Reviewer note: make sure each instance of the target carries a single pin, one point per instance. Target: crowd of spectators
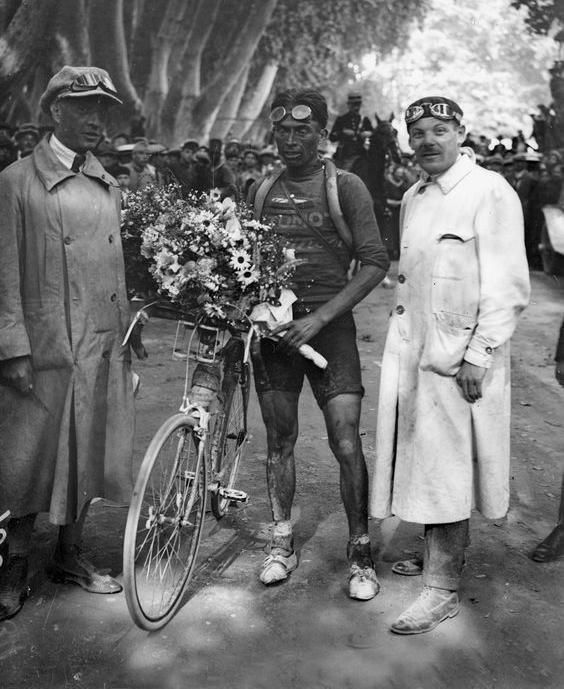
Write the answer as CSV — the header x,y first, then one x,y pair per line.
x,y
232,166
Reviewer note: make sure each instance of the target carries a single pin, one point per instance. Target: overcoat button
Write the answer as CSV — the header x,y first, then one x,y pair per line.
x,y
400,309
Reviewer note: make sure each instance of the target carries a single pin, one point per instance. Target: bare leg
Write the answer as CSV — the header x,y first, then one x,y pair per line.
x,y
280,416
342,417
553,545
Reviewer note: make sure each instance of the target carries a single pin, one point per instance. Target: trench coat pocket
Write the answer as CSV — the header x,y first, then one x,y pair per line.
x,y
49,342
447,339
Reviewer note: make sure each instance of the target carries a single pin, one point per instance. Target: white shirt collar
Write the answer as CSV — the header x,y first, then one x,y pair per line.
x,y
448,179
63,153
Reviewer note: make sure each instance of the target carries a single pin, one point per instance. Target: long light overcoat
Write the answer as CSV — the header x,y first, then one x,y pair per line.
x,y
63,301
463,281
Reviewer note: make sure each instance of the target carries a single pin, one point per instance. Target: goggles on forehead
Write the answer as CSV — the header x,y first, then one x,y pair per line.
x,y
442,111
90,81
298,112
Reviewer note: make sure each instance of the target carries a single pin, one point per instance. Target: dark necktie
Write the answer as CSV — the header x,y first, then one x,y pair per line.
x,y
78,162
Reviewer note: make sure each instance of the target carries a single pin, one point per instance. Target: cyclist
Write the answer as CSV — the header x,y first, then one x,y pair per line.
x,y
297,200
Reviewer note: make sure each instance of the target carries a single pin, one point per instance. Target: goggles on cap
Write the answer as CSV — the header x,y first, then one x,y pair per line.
x,y
442,111
90,81
298,112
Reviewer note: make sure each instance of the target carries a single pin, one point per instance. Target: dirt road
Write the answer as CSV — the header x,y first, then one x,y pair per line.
x,y
306,634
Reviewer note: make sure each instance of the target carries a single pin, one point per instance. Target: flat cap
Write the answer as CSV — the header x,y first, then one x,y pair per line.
x,y
78,82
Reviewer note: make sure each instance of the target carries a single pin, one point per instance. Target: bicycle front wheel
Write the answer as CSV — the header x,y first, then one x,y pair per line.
x,y
229,438
164,523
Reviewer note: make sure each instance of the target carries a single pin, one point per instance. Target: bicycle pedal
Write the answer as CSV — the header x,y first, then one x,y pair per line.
x,y
233,495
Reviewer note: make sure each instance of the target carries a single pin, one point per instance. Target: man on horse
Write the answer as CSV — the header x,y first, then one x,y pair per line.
x,y
349,132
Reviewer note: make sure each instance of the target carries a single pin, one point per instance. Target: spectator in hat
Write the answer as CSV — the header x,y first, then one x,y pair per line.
x,y
494,163
123,178
141,172
349,132
8,151
267,157
159,161
27,137
223,178
442,437
183,169
120,139
250,170
66,392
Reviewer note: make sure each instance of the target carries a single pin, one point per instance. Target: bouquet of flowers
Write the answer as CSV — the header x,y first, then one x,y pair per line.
x,y
200,251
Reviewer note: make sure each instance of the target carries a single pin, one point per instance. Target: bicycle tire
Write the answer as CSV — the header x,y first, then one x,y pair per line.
x,y
164,523
230,432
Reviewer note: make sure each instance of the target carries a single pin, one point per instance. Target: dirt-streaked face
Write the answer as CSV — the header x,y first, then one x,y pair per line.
x,y
298,141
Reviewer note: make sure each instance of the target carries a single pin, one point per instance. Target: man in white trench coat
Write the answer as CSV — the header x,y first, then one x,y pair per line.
x,y
442,443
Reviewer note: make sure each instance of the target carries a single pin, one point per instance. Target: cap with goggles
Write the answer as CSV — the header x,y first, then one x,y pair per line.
x,y
77,82
436,106
298,112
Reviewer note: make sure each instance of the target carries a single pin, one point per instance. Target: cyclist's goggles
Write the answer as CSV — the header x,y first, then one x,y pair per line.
x,y
90,81
298,112
442,111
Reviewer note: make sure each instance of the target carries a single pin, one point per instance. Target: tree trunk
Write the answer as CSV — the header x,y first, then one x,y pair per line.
x,y
71,33
254,99
185,82
555,128
23,42
146,16
157,84
107,40
200,111
226,119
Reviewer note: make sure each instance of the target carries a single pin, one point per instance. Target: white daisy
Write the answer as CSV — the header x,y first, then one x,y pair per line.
x,y
248,276
240,260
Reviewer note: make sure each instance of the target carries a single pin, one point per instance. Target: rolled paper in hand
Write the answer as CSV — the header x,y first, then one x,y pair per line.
x,y
309,353
269,316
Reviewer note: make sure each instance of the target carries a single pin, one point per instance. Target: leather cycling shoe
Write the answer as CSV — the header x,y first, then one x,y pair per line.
x,y
363,582
277,567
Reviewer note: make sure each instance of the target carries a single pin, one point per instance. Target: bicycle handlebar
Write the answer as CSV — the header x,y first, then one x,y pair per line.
x,y
164,309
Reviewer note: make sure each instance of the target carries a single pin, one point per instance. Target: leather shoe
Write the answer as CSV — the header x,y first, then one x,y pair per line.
x,y
552,547
13,587
78,570
432,607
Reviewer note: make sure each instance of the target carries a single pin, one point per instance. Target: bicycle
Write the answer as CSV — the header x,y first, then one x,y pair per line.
x,y
195,453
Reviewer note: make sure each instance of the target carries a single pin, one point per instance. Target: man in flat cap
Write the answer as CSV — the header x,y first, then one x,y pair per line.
x,y
442,442
349,132
66,393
